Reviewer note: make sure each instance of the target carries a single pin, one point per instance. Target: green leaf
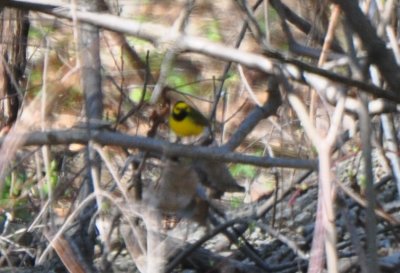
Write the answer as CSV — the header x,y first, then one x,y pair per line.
x,y
180,81
136,95
236,202
213,32
242,170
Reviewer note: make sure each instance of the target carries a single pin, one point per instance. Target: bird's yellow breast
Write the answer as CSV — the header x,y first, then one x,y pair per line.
x,y
185,127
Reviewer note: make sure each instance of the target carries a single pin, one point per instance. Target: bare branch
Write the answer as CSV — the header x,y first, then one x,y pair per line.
x,y
157,146
162,36
377,52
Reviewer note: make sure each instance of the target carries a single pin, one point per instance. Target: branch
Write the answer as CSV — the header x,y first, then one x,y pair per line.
x,y
302,24
259,113
157,146
378,54
161,36
371,224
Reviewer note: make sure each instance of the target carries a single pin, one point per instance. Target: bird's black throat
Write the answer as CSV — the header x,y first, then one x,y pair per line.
x,y
179,116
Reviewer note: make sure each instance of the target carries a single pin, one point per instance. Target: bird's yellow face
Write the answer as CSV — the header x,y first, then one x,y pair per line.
x,y
186,121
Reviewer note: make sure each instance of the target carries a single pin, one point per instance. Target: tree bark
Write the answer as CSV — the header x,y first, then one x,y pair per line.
x,y
14,27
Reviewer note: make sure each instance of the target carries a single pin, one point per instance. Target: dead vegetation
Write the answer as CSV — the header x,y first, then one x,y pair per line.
x,y
300,174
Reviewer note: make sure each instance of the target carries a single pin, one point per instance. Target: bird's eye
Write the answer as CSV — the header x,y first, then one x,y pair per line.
x,y
178,110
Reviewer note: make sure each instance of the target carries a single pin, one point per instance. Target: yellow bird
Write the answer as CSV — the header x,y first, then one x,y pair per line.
x,y
186,121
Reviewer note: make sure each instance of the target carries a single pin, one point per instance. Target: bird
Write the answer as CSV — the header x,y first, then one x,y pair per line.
x,y
216,176
185,121
175,195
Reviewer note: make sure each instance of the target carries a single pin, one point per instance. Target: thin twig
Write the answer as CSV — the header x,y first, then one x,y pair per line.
x,y
269,108
364,203
192,247
247,87
155,34
378,53
324,55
